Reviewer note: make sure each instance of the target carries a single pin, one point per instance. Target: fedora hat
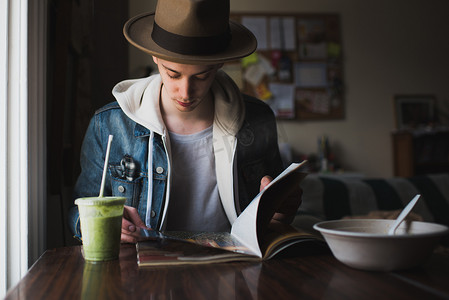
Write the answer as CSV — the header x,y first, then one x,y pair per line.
x,y
190,32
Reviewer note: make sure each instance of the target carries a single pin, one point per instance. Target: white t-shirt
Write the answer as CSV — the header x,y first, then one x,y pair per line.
x,y
195,204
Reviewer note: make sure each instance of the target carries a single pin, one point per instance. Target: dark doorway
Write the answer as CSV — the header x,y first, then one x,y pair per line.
x,y
87,56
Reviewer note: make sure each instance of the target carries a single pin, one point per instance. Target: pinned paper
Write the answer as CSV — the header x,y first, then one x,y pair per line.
x,y
282,33
311,30
314,101
262,91
285,65
266,65
311,74
313,50
258,26
333,50
284,99
249,60
275,57
254,74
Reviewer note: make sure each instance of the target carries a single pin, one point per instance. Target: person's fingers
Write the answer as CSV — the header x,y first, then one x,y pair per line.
x,y
131,236
131,214
131,224
265,181
128,226
128,238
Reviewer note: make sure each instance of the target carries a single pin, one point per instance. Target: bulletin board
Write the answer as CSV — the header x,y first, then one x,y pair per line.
x,y
297,68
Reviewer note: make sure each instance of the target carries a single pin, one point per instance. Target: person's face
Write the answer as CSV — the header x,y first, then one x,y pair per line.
x,y
185,86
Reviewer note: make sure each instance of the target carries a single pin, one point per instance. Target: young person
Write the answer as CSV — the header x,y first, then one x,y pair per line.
x,y
190,151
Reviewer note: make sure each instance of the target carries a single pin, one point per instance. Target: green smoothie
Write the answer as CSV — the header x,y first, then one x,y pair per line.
x,y
101,222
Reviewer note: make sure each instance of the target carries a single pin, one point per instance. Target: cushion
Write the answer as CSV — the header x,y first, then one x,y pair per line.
x,y
330,197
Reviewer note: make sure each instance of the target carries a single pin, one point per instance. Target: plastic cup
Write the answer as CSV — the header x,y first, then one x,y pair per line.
x,y
101,223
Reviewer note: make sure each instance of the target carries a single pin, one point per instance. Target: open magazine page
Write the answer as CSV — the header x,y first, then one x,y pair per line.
x,y
244,228
222,240
243,243
168,251
252,222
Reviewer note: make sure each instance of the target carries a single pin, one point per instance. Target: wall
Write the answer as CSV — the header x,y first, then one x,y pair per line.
x,y
139,60
390,47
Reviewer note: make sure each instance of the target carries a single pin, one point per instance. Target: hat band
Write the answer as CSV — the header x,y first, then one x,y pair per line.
x,y
190,45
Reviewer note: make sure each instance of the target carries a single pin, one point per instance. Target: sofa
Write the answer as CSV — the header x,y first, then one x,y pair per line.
x,y
331,197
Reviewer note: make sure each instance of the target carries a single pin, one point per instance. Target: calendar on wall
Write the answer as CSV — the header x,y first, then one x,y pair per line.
x,y
297,67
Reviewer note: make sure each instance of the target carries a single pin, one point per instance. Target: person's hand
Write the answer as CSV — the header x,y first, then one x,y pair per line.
x,y
285,211
131,225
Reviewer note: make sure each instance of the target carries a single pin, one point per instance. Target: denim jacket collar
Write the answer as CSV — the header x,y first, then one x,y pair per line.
x,y
141,131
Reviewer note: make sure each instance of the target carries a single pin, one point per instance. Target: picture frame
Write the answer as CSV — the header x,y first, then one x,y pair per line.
x,y
414,111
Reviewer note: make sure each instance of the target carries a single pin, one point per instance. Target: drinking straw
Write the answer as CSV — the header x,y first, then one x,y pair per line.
x,y
105,168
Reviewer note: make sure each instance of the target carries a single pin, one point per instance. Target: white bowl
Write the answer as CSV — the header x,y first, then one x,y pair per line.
x,y
365,243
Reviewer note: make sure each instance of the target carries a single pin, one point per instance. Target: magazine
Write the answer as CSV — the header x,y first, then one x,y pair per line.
x,y
252,238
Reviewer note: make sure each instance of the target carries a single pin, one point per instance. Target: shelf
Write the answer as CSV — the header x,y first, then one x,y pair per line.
x,y
420,153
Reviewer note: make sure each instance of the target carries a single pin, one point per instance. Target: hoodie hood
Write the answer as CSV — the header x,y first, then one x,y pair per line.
x,y
229,106
139,100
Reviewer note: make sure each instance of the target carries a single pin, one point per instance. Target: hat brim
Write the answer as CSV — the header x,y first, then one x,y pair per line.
x,y
138,32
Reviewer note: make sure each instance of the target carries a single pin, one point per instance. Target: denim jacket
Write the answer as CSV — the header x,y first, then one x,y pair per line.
x,y
244,138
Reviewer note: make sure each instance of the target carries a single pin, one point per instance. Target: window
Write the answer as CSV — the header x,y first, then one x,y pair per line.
x,y
22,140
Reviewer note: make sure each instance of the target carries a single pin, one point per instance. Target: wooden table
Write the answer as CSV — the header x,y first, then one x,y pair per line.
x,y
62,273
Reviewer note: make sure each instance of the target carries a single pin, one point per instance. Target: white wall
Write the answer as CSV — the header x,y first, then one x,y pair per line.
x,y
389,47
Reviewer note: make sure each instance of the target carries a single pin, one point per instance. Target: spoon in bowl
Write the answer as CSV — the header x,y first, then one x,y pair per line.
x,y
404,213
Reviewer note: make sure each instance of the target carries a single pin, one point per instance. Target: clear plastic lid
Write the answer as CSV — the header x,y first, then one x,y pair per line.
x,y
100,201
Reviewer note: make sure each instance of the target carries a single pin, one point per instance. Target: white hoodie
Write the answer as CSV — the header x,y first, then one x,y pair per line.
x,y
139,100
